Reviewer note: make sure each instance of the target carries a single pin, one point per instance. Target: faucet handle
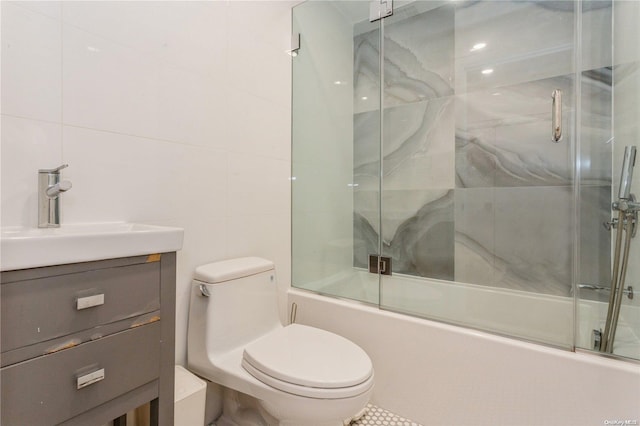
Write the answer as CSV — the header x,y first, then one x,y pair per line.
x,y
56,170
64,185
54,190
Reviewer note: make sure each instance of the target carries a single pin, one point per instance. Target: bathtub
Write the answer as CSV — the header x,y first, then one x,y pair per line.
x,y
439,373
537,317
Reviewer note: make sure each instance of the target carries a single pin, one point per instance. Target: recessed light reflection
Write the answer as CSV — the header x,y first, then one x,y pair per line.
x,y
292,178
487,71
364,98
478,46
339,83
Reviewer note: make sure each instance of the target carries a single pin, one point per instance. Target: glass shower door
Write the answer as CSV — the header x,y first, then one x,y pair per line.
x,y
478,200
476,147
609,322
336,101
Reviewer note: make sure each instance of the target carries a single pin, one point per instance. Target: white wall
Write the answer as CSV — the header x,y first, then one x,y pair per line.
x,y
170,113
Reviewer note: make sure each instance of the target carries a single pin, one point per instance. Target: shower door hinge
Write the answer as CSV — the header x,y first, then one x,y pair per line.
x,y
295,44
379,264
596,340
379,9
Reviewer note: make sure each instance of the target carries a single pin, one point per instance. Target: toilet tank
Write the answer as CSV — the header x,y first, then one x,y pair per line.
x,y
233,302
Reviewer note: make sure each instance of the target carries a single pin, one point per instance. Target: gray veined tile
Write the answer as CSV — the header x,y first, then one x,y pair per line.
x,y
474,263
533,238
421,241
423,245
503,137
365,240
512,104
483,164
400,206
516,238
366,72
418,148
403,86
419,51
418,59
511,223
366,205
474,212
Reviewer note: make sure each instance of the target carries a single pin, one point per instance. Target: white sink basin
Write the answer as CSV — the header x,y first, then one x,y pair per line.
x,y
22,248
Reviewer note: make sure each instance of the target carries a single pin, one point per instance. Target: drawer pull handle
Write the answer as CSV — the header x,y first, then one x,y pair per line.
x,y
89,301
91,378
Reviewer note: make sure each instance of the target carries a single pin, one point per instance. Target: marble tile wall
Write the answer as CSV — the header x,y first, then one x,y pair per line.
x,y
473,188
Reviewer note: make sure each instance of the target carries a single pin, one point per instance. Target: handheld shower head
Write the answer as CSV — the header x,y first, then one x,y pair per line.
x,y
627,172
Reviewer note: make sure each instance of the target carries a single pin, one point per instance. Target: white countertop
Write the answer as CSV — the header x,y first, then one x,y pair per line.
x,y
22,248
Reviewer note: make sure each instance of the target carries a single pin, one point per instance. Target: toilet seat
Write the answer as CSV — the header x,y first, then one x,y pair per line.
x,y
309,362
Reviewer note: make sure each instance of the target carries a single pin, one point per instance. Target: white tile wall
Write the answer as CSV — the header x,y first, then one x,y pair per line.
x,y
27,145
32,64
172,113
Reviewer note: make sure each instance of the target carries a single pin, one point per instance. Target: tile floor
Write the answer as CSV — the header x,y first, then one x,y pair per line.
x,y
376,416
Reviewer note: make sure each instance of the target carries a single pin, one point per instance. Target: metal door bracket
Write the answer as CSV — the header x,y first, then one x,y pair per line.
x,y
295,44
379,264
379,9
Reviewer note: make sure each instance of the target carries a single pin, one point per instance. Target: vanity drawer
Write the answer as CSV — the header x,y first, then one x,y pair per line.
x,y
45,390
41,309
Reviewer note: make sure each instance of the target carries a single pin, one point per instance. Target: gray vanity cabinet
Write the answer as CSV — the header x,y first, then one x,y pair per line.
x,y
85,343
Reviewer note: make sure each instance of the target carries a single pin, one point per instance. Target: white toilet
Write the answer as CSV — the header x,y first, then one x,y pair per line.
x,y
272,374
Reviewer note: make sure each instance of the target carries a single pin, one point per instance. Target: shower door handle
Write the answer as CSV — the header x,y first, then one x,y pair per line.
x,y
556,116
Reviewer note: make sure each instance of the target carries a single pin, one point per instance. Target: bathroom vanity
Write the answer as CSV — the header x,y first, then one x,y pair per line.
x,y
85,342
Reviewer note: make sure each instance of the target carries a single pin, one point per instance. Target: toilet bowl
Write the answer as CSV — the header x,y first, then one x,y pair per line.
x,y
273,374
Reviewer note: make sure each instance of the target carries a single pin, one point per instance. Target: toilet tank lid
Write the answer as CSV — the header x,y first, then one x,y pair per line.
x,y
232,269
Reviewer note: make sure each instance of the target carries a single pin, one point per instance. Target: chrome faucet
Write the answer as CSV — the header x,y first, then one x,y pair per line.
x,y
49,189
